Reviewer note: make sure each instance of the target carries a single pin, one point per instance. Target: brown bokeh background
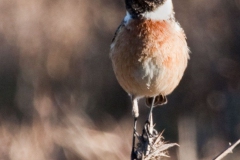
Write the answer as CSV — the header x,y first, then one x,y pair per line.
x,y
59,98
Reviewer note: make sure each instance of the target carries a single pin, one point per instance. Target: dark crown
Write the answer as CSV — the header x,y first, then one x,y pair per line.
x,y
137,7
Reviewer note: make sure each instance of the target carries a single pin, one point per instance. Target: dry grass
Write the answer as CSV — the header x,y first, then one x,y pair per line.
x,y
73,137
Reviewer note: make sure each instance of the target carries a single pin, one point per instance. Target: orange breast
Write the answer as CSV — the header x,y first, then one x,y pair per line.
x,y
149,57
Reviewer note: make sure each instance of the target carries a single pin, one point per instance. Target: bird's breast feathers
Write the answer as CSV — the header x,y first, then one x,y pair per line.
x,y
146,53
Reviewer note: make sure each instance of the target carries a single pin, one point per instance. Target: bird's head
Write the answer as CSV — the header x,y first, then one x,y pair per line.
x,y
141,8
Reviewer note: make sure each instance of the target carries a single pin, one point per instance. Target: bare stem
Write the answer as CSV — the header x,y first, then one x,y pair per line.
x,y
227,151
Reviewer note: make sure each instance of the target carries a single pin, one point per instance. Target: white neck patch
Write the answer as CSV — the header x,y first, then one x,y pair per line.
x,y
127,18
163,12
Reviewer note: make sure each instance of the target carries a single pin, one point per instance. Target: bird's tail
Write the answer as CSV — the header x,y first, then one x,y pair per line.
x,y
159,100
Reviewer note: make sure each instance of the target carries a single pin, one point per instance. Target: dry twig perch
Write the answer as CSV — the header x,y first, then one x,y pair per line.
x,y
151,145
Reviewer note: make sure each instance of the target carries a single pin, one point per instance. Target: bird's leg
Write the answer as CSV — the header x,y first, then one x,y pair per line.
x,y
135,113
150,117
151,109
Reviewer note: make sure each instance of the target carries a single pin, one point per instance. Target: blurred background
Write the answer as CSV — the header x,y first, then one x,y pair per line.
x,y
59,98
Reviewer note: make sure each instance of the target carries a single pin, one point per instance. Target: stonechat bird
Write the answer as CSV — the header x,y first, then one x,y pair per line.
x,y
149,52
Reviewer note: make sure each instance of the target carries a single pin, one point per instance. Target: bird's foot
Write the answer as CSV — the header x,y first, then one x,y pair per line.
x,y
159,100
